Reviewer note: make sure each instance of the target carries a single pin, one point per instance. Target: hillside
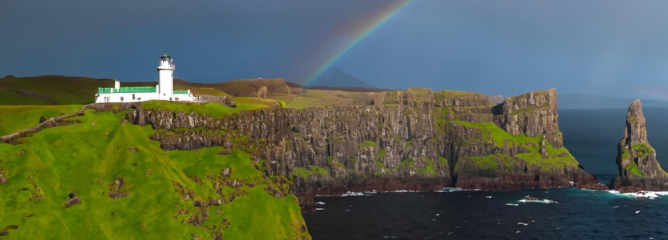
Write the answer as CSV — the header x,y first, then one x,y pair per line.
x,y
63,90
129,188
49,90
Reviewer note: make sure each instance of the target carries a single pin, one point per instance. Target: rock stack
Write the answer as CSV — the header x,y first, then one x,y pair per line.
x,y
636,159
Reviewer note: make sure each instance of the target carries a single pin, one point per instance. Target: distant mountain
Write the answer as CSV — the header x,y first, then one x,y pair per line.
x,y
337,78
583,101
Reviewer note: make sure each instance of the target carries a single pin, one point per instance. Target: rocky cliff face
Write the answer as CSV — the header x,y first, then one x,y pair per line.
x,y
636,159
415,139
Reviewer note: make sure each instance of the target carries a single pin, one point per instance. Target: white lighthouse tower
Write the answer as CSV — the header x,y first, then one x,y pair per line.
x,y
166,73
163,91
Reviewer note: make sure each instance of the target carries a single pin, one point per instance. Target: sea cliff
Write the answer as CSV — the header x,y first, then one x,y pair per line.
x,y
416,139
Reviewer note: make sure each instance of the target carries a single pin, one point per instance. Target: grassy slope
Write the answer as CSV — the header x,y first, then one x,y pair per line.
x,y
61,89
557,157
320,98
210,109
80,159
16,118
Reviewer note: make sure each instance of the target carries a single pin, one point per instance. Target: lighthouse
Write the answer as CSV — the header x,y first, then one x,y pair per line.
x,y
163,91
166,74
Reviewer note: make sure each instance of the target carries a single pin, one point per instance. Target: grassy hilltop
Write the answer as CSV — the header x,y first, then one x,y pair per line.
x,y
161,186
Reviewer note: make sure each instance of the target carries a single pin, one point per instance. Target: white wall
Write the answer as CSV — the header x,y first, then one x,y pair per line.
x,y
127,97
139,97
166,84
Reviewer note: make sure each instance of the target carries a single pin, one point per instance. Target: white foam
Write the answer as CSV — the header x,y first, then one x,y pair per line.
x,y
320,203
637,211
642,194
352,194
438,214
488,196
358,194
512,204
450,189
320,209
537,201
521,223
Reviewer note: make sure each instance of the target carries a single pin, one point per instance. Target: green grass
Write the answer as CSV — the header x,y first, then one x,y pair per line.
x,y
204,91
486,162
633,169
428,168
643,150
15,117
80,159
50,90
368,144
452,94
556,157
406,163
499,137
326,98
214,110
257,102
287,98
443,160
315,98
303,172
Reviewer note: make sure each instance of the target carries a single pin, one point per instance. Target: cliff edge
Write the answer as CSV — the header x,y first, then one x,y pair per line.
x,y
636,159
417,139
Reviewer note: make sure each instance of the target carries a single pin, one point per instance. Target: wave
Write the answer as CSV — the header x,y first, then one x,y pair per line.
x,y
537,201
643,194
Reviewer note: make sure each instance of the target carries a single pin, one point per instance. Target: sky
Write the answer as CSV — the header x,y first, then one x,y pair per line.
x,y
610,48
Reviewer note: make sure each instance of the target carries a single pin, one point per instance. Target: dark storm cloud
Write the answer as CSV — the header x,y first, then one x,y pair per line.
x,y
497,47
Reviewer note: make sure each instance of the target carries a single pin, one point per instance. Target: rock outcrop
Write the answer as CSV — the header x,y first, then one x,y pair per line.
x,y
636,159
415,139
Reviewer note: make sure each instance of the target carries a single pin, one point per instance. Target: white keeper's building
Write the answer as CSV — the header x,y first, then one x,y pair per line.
x,y
163,91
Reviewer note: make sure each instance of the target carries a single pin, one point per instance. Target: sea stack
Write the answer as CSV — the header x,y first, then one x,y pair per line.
x,y
636,159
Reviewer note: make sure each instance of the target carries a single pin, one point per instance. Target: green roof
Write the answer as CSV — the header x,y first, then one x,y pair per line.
x,y
127,90
180,91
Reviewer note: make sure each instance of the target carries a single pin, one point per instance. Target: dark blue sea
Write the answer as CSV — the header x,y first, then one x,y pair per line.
x,y
590,135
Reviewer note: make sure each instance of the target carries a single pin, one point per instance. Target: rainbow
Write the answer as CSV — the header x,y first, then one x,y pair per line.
x,y
362,31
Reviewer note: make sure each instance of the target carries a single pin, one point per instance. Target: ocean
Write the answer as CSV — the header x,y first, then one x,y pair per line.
x,y
590,135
